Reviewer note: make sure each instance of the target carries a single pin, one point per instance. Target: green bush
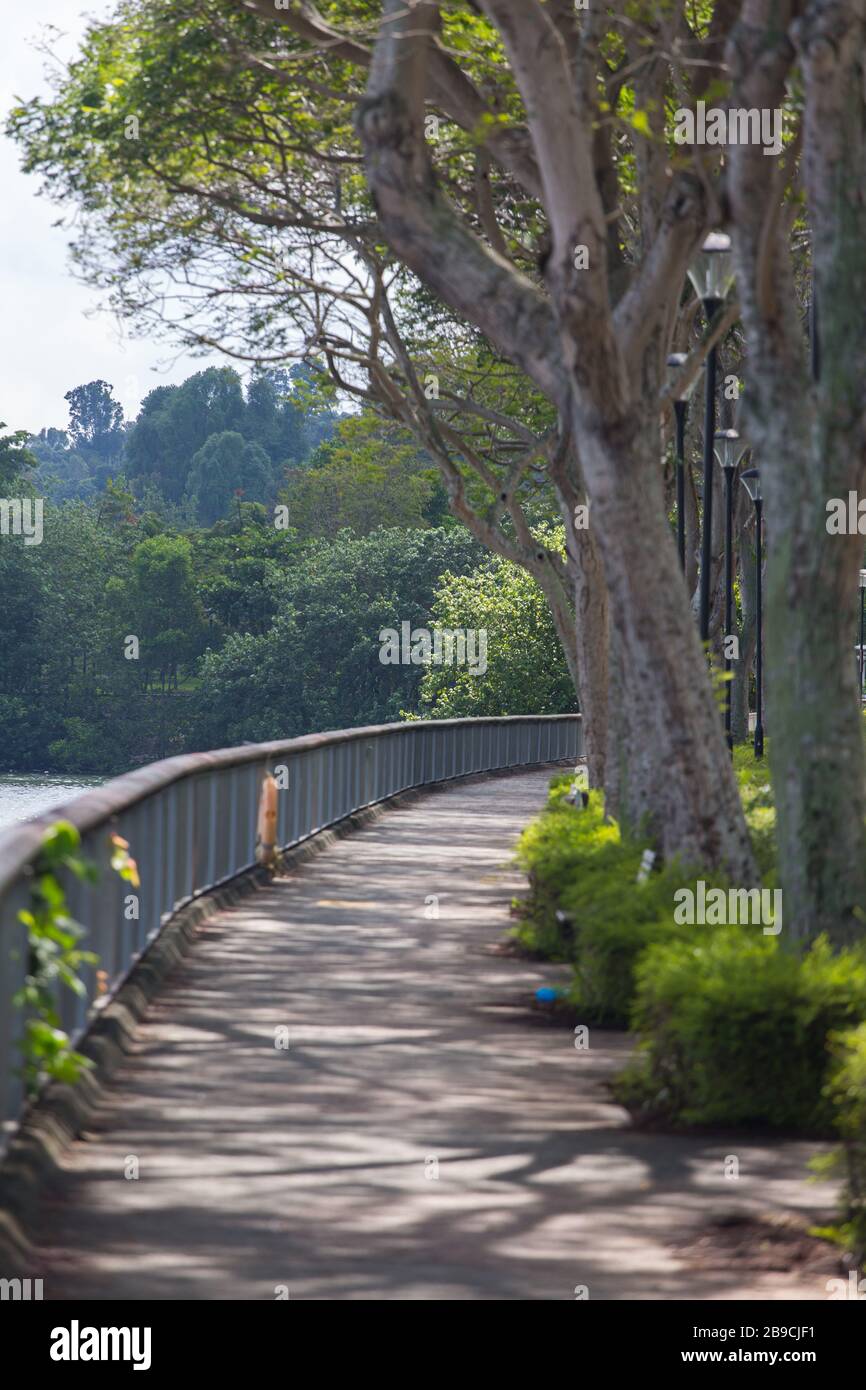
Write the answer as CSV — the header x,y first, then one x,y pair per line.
x,y
550,849
846,1091
756,794
734,1030
581,866
54,960
584,867
733,1027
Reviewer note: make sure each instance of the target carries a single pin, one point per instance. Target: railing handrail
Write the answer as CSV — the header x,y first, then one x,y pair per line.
x,y
192,823
20,844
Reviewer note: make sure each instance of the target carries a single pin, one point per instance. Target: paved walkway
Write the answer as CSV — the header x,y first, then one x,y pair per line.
x,y
410,1044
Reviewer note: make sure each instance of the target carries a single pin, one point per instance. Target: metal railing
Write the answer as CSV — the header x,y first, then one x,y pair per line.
x,y
191,825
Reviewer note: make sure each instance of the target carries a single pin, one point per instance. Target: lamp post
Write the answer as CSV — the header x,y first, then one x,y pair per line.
x,y
712,275
676,362
862,621
729,451
751,480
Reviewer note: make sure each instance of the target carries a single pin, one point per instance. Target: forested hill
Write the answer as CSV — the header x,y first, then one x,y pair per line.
x,y
193,445
220,569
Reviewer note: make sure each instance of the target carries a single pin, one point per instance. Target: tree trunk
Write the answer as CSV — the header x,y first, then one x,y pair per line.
x,y
679,782
591,620
616,757
816,735
807,430
676,780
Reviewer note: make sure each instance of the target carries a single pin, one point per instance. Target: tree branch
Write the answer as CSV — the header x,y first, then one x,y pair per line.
x,y
424,229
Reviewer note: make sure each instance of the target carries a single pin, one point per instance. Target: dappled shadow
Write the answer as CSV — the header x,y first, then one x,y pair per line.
x,y
315,1167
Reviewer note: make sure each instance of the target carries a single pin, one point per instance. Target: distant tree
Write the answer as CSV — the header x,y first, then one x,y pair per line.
x,y
56,626
271,419
525,669
262,410
63,473
317,665
368,475
15,456
22,583
312,394
289,411
240,571
56,440
174,423
157,603
95,418
224,467
147,453
116,503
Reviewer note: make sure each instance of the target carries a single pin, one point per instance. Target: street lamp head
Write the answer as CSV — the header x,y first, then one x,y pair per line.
x,y
676,362
863,579
729,448
711,271
751,480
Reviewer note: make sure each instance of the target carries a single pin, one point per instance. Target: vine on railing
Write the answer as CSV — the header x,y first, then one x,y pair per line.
x,y
122,862
54,956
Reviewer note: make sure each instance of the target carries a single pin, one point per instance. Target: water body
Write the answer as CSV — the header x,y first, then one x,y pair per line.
x,y
27,794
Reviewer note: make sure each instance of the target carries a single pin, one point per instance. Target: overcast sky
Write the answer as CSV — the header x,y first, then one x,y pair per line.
x,y
53,336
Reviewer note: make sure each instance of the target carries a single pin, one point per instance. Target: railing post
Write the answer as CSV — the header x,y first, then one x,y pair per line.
x,y
318,781
228,792
183,858
13,969
200,827
103,921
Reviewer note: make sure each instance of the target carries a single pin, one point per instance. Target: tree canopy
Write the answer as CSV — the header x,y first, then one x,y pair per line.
x,y
430,194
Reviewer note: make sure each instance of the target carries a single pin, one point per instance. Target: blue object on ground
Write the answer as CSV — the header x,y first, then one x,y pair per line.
x,y
546,995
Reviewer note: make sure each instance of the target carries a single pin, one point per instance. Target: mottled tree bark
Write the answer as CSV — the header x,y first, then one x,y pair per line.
x,y
590,617
809,441
672,769
677,777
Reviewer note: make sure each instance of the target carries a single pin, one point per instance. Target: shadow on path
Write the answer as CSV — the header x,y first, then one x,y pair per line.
x,y
313,1167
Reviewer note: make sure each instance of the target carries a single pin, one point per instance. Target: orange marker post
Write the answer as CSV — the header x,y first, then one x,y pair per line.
x,y
266,840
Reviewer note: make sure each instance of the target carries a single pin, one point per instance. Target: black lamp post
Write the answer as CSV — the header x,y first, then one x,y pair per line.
x,y
751,480
729,451
676,362
712,275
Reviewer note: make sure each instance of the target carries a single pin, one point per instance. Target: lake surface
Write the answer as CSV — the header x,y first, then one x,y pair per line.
x,y
25,795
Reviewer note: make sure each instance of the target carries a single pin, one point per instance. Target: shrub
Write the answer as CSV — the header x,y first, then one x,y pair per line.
x,y
756,794
846,1091
585,868
734,1030
551,850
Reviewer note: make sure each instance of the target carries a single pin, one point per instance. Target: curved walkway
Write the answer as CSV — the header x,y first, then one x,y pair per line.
x,y
312,1170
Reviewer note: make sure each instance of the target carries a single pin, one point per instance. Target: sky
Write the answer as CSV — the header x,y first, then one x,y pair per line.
x,y
53,336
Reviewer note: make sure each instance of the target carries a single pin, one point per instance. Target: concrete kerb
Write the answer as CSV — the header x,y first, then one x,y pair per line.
x,y
53,1120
